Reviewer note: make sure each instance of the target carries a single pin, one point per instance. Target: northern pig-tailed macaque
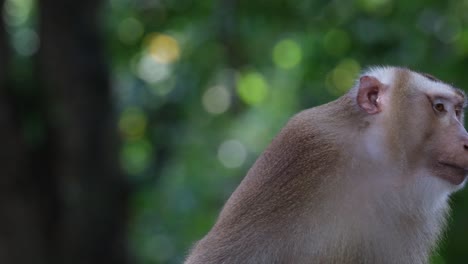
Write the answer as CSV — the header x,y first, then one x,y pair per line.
x,y
363,179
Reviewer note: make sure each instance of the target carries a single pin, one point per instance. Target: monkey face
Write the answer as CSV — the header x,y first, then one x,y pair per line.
x,y
431,127
422,121
449,142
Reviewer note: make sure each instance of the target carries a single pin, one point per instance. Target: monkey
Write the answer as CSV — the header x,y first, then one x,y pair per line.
x,y
362,179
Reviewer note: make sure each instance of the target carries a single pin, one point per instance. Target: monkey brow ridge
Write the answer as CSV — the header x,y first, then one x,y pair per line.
x,y
458,91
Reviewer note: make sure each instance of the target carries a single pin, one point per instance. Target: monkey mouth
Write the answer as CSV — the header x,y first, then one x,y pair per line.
x,y
452,173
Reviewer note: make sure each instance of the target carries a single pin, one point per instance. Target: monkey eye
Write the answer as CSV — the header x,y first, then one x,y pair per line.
x,y
457,111
439,107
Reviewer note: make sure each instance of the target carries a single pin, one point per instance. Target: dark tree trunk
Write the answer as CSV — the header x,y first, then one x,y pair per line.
x,y
64,199
93,193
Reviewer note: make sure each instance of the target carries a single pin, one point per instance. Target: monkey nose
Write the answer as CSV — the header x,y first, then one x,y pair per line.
x,y
465,142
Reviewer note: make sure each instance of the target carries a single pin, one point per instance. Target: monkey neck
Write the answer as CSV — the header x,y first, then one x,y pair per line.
x,y
380,219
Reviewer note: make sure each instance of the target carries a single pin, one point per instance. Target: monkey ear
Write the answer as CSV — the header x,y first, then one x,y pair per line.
x,y
369,93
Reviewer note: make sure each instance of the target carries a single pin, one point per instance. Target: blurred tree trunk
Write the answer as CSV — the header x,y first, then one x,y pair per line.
x,y
22,237
93,193
63,200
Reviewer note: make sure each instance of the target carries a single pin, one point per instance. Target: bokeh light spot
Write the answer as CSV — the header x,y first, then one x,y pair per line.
x,y
336,42
163,48
133,123
216,100
25,42
151,71
17,12
342,77
232,153
252,88
135,156
130,30
287,54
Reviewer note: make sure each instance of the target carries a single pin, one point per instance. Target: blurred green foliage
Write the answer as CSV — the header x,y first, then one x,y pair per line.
x,y
203,86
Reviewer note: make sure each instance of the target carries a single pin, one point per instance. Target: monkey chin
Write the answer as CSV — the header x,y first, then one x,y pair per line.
x,y
454,174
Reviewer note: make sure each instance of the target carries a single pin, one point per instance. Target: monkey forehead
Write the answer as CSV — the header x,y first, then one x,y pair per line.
x,y
435,87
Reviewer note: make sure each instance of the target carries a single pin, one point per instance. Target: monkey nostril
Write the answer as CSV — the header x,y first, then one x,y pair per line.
x,y
465,146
